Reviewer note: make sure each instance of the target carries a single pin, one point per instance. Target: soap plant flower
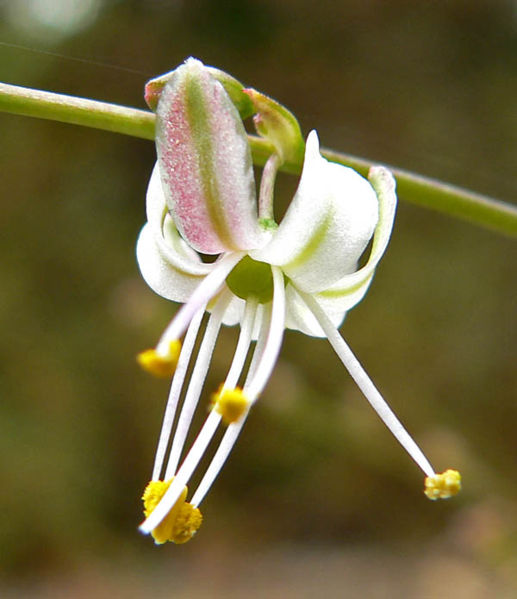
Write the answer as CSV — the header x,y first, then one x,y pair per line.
x,y
302,274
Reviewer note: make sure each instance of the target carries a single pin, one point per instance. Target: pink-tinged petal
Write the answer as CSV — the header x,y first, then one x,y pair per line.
x,y
233,87
327,225
173,248
205,163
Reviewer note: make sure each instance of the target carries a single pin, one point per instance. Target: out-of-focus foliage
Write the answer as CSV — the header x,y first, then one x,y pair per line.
x,y
428,86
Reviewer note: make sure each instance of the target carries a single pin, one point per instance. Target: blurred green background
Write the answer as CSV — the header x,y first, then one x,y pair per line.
x,y
317,497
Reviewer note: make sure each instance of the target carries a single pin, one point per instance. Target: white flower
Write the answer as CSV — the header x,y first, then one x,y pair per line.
x,y
301,275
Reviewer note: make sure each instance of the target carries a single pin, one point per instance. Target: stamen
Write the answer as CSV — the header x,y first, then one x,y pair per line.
x,y
221,455
207,432
274,338
197,381
184,473
187,524
182,521
260,346
230,403
243,344
444,485
364,383
205,291
162,363
229,400
230,437
174,394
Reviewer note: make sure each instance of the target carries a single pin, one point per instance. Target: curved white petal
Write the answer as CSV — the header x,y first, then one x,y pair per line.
x,y
350,289
155,204
300,318
339,298
158,272
205,163
327,226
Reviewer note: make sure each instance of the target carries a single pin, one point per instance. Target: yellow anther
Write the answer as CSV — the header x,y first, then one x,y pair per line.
x,y
182,521
187,524
230,403
161,365
443,486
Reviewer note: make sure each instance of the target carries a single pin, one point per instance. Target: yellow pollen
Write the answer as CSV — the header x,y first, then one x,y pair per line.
x,y
162,366
230,403
182,521
443,486
188,521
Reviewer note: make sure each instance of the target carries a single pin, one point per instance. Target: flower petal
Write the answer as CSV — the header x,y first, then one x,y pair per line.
x,y
300,318
339,297
158,272
327,226
205,163
350,289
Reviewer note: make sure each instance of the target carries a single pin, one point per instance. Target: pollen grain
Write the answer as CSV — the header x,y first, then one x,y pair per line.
x,y
444,485
183,520
230,403
158,364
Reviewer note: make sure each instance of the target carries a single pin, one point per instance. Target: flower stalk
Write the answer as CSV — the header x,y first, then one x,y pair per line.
x,y
500,217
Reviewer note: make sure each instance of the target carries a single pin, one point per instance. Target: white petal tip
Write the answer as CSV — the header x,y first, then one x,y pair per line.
x,y
312,144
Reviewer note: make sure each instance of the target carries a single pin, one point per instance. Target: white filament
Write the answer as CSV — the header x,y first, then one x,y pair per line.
x,y
197,381
203,293
364,383
264,358
175,391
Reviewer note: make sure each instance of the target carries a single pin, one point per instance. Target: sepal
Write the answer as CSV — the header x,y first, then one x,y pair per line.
x,y
205,163
278,125
233,87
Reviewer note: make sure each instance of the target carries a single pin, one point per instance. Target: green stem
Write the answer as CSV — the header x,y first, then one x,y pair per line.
x,y
77,111
457,202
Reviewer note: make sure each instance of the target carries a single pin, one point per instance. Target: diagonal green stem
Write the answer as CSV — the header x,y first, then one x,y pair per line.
x,y
77,111
457,202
